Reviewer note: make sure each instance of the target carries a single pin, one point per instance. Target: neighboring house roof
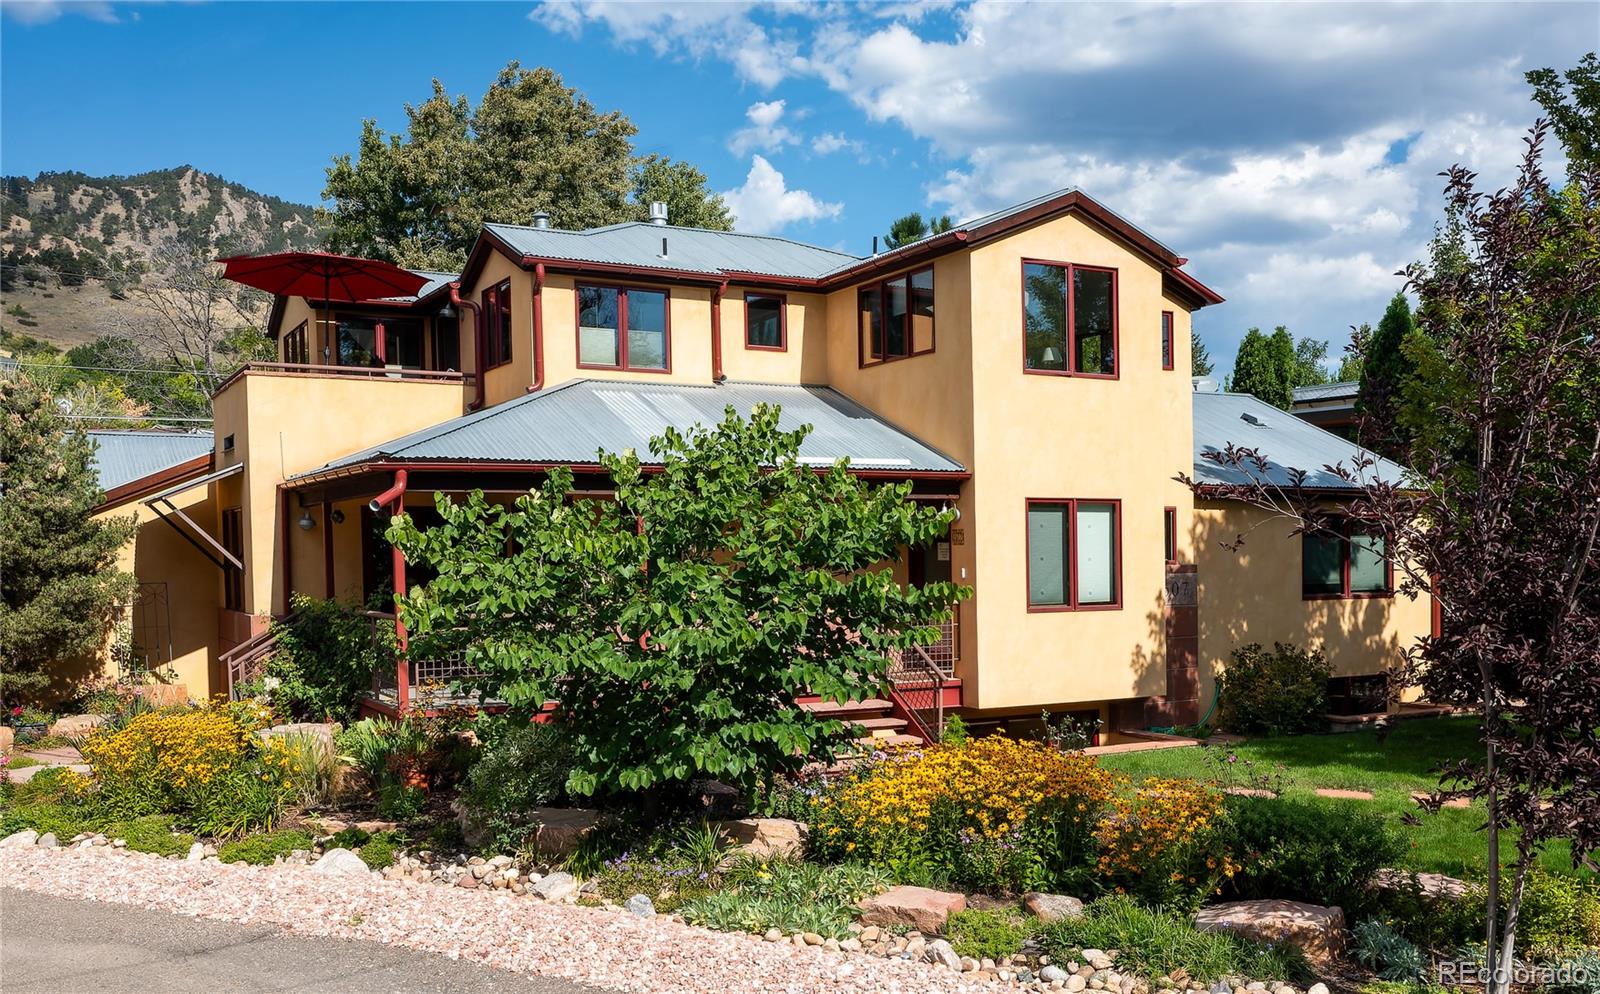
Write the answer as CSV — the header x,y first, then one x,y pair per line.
x,y
1323,393
571,423
1285,441
690,250
125,458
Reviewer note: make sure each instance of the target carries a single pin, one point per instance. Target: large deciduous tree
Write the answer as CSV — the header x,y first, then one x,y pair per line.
x,y
677,624
532,144
61,583
1501,517
1571,101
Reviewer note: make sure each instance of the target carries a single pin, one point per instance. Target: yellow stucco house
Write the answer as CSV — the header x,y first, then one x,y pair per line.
x,y
1028,368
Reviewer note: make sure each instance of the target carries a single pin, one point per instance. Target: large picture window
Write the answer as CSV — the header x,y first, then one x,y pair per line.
x,y
1069,319
1074,549
895,318
1352,563
623,328
497,325
765,326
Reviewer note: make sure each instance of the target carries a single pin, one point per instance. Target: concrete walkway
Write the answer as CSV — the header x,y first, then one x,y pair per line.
x,y
82,947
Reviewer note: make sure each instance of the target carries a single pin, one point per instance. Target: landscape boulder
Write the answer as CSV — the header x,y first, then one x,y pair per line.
x,y
1432,886
321,733
556,832
556,887
76,725
1317,930
1052,907
339,862
8,738
18,840
766,838
922,908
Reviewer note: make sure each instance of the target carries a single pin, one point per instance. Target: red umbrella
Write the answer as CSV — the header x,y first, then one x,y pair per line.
x,y
322,276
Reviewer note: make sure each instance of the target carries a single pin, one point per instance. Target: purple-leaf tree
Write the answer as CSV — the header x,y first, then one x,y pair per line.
x,y
1499,516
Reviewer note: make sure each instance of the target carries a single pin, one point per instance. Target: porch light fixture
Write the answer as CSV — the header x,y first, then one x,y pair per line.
x,y
305,522
448,311
338,516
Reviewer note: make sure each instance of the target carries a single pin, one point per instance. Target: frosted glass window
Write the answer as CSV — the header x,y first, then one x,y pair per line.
x,y
1048,555
597,326
1097,553
1369,573
647,329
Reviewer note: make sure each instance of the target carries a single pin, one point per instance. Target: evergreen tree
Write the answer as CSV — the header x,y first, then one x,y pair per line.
x,y
1199,357
1385,370
912,227
61,583
1264,367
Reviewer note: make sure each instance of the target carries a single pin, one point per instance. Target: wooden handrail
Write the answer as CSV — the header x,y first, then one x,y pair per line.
x,y
352,372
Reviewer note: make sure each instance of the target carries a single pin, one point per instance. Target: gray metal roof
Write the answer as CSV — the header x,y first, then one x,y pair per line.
x,y
571,423
122,457
436,282
690,250
1287,442
1344,390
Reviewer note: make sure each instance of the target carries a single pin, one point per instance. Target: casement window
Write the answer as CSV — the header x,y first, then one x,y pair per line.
x,y
765,325
233,541
1352,563
1166,340
1069,318
1169,532
446,343
497,325
895,318
296,347
623,328
1074,550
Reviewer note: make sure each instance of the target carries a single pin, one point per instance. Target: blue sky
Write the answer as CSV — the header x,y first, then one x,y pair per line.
x,y
1290,151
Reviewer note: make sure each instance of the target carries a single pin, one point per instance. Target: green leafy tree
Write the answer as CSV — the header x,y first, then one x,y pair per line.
x,y
531,144
1199,357
61,583
1386,370
1349,370
1310,362
683,188
1576,121
912,227
1264,366
677,624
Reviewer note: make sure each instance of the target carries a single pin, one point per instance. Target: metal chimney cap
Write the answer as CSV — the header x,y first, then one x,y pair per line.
x,y
541,219
658,212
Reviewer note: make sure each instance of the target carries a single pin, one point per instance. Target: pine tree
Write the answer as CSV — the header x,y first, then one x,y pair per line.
x,y
61,583
1199,357
912,227
1264,367
1385,369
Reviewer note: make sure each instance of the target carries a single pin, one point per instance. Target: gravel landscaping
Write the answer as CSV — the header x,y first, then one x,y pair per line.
x,y
604,948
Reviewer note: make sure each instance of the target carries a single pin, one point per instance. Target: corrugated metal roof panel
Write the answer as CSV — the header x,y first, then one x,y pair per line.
x,y
1345,390
1287,442
689,250
436,281
573,422
122,457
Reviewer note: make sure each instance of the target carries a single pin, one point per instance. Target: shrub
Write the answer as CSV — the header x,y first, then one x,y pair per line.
x,y
1281,692
311,768
325,660
1559,914
668,881
1152,942
992,813
987,934
1444,925
64,820
1386,952
1305,852
152,834
260,850
526,767
785,894
380,850
1579,974
1162,842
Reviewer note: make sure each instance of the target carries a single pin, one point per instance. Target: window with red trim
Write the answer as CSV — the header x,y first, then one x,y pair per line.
x,y
233,541
623,328
1166,340
497,325
1169,530
1074,550
1353,562
895,318
765,324
1069,319
296,348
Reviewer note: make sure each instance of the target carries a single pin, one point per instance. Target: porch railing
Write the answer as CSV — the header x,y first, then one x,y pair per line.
x,y
431,683
352,372
917,690
247,662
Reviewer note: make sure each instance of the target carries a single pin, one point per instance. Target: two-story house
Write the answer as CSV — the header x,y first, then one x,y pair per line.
x,y
1028,368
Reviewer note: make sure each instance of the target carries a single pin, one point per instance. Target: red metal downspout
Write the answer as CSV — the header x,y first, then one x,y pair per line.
x,y
288,550
716,332
396,495
538,329
477,346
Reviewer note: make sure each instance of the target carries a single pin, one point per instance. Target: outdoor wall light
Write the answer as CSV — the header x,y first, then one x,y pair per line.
x,y
306,524
338,516
448,311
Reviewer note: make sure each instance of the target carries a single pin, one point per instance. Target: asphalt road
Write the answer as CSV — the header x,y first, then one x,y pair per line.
x,y
82,947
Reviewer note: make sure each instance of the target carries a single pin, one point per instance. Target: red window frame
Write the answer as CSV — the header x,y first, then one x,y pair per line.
x,y
1073,604
1168,359
1072,338
1346,530
1169,528
783,322
876,357
296,348
622,326
497,337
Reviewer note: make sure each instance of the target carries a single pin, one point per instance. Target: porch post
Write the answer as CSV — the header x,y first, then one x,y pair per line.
x,y
395,499
327,549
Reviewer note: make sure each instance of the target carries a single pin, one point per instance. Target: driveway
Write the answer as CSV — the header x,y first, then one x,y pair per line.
x,y
83,947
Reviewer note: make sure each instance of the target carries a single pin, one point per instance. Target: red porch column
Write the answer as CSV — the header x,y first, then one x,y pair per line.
x,y
394,498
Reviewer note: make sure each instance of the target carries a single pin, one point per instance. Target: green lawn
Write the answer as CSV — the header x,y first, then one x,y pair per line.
x,y
1450,841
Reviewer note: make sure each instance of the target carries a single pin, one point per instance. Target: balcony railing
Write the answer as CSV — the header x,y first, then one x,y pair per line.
x,y
350,372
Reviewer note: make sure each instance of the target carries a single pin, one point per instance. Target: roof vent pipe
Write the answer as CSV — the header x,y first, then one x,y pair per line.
x,y
541,219
658,212
663,248
874,245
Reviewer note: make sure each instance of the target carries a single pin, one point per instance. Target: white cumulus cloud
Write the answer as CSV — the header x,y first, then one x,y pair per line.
x,y
765,204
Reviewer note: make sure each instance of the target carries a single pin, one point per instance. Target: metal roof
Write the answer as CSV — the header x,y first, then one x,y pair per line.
x,y
121,457
1344,390
1287,442
436,282
571,423
690,250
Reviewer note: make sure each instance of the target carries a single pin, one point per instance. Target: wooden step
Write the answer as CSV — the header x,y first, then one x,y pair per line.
x,y
866,708
880,726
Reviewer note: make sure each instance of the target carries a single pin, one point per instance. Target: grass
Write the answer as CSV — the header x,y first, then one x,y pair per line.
x,y
1449,841
23,762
